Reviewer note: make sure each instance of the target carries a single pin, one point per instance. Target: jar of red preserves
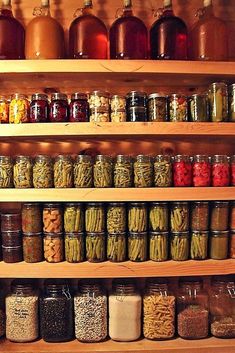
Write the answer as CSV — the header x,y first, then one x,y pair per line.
x,y
59,108
79,108
220,171
39,108
232,162
201,171
182,171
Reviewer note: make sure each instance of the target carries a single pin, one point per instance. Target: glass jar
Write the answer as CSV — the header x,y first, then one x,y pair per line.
x,y
143,172
103,172
232,102
52,218
39,108
6,172
19,109
118,102
159,217
218,102
43,172
137,114
53,247
10,222
220,171
123,172
137,217
95,217
200,216
138,246
201,171
98,115
73,218
232,245
79,108
219,215
95,247
100,100
219,245
135,99
158,311
192,310
232,216
83,171
118,116
116,217
178,108
232,165
12,254
32,247
4,110
22,312
162,171
158,246
179,247
31,215
2,315
199,245
179,221
59,108
157,107
56,312
11,238
74,247
63,172
182,171
198,108
116,247
91,312
125,306
23,172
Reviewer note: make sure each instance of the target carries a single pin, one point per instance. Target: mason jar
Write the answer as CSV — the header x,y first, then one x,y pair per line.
x,y
32,247
43,172
220,171
116,247
137,217
182,171
95,247
179,218
157,107
83,171
178,108
143,172
219,242
23,172
63,172
158,246
219,216
179,246
201,171
73,217
95,217
53,247
31,215
198,108
218,102
123,172
6,172
59,108
52,218
74,247
199,216
103,172
138,246
116,217
19,109
159,217
199,245
163,171
232,103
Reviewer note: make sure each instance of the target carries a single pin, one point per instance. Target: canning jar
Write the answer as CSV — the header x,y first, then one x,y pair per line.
x,y
100,100
157,107
219,245
74,247
95,247
63,172
201,171
39,108
158,246
143,171
4,110
198,108
232,102
118,108
32,247
232,245
162,171
137,114
56,312
12,254
232,164
98,115
83,171
232,216
192,310
118,116
91,312
178,108
116,217
199,245
137,246
23,172
11,238
220,171
10,221
103,172
19,109
158,311
179,220
123,172
182,171
79,108
116,247
135,99
125,306
52,218
179,247
53,247
43,172
31,215
6,172
59,108
159,217
218,102
219,215
200,216
2,315
73,217
137,217
95,217
22,312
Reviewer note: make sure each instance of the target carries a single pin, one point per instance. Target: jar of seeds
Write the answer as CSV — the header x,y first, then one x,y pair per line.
x,y
158,246
116,247
159,217
198,108
116,217
138,246
95,217
162,171
179,247
74,247
83,172
63,172
123,172
143,172
137,217
103,172
199,245
218,101
73,217
6,172
95,247
43,172
23,172
179,221
157,107
178,108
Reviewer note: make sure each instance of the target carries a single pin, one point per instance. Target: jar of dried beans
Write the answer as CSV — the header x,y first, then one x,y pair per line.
x,y
182,171
220,171
201,171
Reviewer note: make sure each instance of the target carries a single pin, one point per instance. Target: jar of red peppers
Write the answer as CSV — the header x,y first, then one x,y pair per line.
x,y
182,171
178,108
39,108
220,171
232,163
201,171
59,108
79,108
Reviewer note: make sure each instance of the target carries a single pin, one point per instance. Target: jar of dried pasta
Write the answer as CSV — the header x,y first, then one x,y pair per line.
x,y
123,172
63,172
103,172
143,172
83,171
6,172
23,172
19,109
43,172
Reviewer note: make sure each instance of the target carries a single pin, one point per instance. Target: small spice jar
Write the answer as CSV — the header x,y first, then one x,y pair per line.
x,y
158,306
179,220
4,110
137,217
219,216
220,171
32,247
232,245
116,217
31,215
11,238
232,216
116,247
125,306
157,107
91,312
52,218
135,99
95,217
83,171
219,245
6,172
39,108
201,171
182,171
158,246
200,216
232,164
79,108
159,217
74,247
59,108
103,172
73,217
63,172
232,102
95,247
98,115
100,100
137,246
218,102
19,109
162,171
23,172
198,108
178,108
179,247
43,172
143,172
10,221
199,245
123,172
53,247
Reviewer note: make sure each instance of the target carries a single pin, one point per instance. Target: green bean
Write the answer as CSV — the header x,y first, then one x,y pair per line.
x,y
95,247
179,219
116,247
158,247
162,174
179,248
74,248
137,247
158,218
199,242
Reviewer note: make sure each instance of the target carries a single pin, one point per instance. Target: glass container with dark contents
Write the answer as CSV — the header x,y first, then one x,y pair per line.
x,y
79,108
12,238
10,221
32,247
157,107
39,108
12,254
59,108
198,108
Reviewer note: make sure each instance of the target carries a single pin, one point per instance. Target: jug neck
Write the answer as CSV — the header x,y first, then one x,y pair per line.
x,y
127,8
45,7
208,8
88,7
167,9
6,9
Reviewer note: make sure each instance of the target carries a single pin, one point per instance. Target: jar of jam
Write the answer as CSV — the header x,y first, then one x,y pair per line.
x,y
103,172
59,108
12,254
201,171
31,218
123,172
19,109
182,171
143,171
219,245
218,102
63,172
43,172
53,247
138,247
198,108
162,171
12,238
79,108
179,247
10,222
6,172
157,107
32,247
52,218
136,99
39,108
232,102
23,172
232,164
220,171
137,114
4,110
199,245
219,216
178,108
200,216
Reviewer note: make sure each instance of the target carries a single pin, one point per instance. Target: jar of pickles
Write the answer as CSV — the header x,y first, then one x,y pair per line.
x,y
6,172
123,172
199,245
158,246
159,217
219,216
83,171
32,247
59,108
95,217
182,171
116,247
118,109
137,217
23,172
179,220
103,172
157,107
19,109
201,171
63,172
219,245
116,217
143,172
43,172
95,247
79,108
198,108
179,246
73,218
138,246
200,216
178,108
232,102
162,171
31,218
4,110
53,247
52,218
74,247
220,171
39,108
218,102
232,162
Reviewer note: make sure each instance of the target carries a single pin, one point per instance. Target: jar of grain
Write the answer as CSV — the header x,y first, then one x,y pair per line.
x,y
219,216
